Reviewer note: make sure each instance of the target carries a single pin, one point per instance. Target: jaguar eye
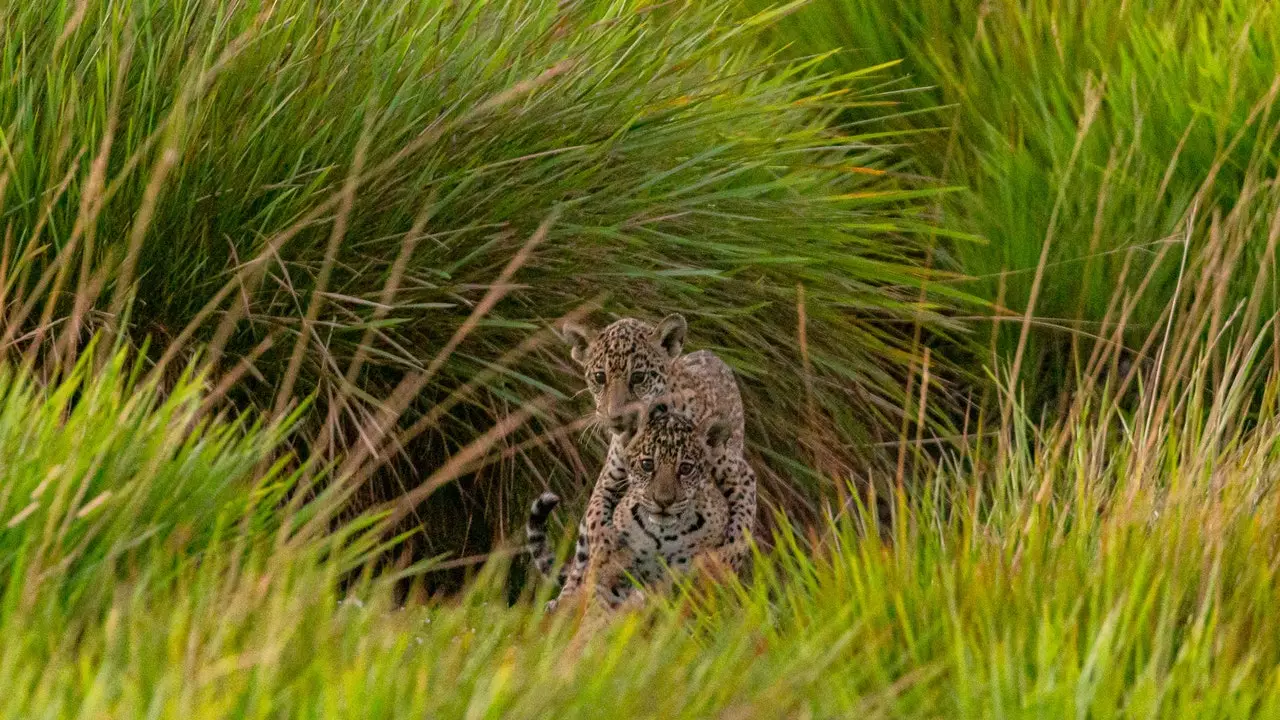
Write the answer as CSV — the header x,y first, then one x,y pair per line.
x,y
646,465
685,468
638,377
598,378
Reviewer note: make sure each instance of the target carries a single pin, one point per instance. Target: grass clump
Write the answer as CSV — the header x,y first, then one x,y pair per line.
x,y
1110,563
108,483
113,492
383,204
1087,135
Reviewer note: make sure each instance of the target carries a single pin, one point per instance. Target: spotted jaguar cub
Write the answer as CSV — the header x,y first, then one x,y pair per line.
x,y
630,365
672,512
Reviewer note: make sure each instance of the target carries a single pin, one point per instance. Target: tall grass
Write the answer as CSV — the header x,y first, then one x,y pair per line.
x,y
167,555
1115,562
1086,134
384,205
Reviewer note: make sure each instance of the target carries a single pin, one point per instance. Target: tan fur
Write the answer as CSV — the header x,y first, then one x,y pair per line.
x,y
630,366
673,515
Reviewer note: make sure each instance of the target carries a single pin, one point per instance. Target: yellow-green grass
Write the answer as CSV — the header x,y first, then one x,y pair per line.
x,y
1113,563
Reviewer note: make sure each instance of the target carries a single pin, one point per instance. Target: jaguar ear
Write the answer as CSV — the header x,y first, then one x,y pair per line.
x,y
718,434
669,334
578,338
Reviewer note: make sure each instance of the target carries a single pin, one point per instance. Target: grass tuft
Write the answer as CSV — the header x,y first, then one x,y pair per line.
x,y
317,198
1087,135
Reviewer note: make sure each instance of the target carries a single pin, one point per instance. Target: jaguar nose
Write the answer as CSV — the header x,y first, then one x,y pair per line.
x,y
664,500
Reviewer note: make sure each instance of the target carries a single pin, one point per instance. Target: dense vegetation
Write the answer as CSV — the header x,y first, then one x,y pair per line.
x,y
1085,134
278,279
385,205
1109,563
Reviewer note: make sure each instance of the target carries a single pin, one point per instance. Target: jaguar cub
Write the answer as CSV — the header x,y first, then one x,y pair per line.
x,y
672,512
628,365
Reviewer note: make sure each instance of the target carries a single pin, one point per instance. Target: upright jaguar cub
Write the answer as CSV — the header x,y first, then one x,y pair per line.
x,y
672,512
632,364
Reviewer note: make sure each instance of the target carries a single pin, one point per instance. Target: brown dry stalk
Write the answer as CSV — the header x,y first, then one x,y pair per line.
x,y
73,22
433,416
63,260
84,300
392,286
559,432
339,231
228,381
922,403
247,277
385,302
462,462
20,314
818,451
393,511
142,222
414,382
92,201
806,364
370,454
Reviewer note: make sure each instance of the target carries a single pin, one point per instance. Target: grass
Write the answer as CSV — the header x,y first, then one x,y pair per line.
x,y
1114,562
344,228
383,206
1109,561
1085,134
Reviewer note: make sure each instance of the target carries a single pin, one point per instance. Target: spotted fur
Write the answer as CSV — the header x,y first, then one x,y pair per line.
x,y
629,366
672,512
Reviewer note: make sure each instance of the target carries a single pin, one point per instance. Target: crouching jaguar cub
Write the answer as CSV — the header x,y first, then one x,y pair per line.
x,y
672,514
628,365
